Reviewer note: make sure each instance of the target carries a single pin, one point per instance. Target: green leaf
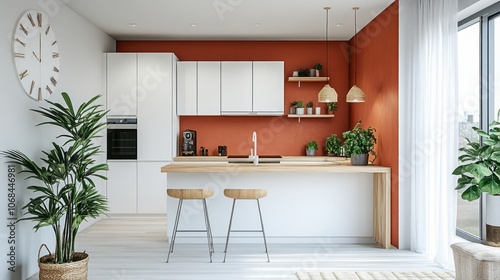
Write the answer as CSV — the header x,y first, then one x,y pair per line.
x,y
490,184
471,193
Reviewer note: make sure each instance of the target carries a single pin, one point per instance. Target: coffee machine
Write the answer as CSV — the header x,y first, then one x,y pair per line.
x,y
189,143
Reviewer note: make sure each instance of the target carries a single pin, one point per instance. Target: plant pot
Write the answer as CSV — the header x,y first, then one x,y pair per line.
x,y
317,73
293,110
312,72
300,111
330,112
309,110
493,220
76,270
318,110
310,152
361,159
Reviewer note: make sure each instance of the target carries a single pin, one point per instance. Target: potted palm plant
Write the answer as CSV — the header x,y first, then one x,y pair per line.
x,y
359,144
66,194
300,107
309,106
480,173
331,107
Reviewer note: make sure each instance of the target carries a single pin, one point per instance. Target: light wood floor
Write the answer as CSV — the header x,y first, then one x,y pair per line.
x,y
135,247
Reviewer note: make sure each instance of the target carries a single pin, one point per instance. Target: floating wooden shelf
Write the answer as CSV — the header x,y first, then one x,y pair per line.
x,y
308,79
310,116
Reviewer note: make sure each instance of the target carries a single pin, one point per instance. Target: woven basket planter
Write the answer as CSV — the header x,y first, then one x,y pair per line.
x,y
76,270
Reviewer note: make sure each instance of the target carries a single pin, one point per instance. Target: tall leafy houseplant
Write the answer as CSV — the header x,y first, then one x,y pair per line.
x,y
480,169
67,194
480,172
360,142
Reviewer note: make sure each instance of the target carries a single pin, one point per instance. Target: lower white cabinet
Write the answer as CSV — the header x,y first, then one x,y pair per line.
x,y
136,187
121,188
151,188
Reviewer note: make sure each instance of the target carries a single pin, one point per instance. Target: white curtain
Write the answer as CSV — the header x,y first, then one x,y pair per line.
x,y
428,130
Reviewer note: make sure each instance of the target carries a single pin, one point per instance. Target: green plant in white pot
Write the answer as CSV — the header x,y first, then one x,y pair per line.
x,y
65,194
311,148
480,173
359,144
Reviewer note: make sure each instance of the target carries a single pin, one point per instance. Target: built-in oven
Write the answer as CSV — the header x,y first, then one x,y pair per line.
x,y
122,138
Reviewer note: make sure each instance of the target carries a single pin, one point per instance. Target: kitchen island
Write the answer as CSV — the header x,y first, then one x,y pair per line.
x,y
310,200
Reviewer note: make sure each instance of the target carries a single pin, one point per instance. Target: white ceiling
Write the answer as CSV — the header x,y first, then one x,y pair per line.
x,y
227,19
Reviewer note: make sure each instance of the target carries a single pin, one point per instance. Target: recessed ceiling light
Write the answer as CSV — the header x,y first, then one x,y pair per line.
x,y
133,24
258,24
193,24
339,24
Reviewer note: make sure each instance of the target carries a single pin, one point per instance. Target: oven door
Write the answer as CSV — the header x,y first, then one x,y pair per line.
x,y
122,141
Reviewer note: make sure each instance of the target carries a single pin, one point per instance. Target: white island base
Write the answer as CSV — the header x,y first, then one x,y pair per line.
x,y
310,206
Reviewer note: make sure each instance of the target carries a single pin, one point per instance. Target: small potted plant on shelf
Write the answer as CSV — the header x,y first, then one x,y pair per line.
x,y
359,144
480,173
302,72
318,67
309,106
311,148
300,107
293,107
331,107
333,146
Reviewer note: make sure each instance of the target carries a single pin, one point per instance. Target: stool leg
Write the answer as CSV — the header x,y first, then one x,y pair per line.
x,y
263,232
229,230
174,232
209,230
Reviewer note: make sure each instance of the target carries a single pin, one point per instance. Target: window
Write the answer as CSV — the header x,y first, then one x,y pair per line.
x,y
479,99
469,107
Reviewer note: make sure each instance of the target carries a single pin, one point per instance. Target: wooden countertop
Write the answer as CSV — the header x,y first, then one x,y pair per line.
x,y
224,159
283,167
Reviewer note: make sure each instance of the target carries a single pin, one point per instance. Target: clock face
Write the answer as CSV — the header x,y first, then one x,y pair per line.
x,y
36,55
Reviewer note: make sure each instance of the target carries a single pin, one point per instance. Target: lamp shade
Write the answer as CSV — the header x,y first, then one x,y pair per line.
x,y
327,94
355,95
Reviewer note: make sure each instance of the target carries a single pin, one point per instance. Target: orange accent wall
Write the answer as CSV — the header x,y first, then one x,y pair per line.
x,y
276,135
375,59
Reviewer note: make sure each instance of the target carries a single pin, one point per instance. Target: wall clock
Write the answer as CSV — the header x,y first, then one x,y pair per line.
x,y
36,55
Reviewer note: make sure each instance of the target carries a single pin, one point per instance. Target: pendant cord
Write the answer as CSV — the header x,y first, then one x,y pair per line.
x,y
356,45
326,44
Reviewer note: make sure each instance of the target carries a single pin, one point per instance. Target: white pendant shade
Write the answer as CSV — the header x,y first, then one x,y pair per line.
x,y
355,95
327,94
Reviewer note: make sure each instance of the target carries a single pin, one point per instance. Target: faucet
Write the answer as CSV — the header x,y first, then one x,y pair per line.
x,y
253,152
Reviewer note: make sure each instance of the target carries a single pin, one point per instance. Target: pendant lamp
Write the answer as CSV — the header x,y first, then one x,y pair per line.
x,y
327,93
355,94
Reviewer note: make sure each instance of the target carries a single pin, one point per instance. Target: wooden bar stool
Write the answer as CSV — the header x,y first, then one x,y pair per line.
x,y
183,194
245,194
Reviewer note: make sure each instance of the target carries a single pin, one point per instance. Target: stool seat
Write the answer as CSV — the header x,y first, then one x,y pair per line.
x,y
245,193
190,193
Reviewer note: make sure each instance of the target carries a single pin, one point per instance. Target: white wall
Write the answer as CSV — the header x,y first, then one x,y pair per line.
x,y
81,45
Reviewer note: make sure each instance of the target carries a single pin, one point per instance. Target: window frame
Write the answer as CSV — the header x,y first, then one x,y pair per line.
x,y
487,106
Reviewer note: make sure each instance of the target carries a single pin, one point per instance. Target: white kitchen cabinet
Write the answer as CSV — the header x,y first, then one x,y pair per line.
x,y
268,87
236,87
209,88
121,84
121,189
155,106
151,188
187,88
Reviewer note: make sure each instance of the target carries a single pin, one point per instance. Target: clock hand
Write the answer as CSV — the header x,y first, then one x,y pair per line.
x,y
40,45
37,58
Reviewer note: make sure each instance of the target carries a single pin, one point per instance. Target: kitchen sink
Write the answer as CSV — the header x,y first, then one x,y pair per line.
x,y
246,159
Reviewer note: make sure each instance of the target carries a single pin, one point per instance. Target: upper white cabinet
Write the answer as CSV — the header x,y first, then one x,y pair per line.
x,y
121,84
155,115
236,87
198,88
268,87
209,88
187,85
